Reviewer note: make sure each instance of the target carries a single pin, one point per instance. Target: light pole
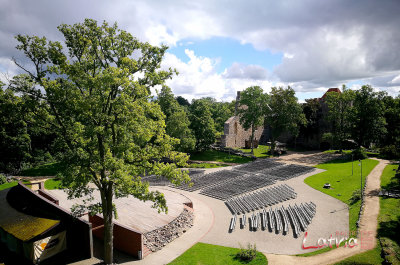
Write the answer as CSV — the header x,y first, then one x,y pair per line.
x,y
352,164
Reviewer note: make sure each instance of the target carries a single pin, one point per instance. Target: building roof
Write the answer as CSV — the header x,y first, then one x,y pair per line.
x,y
334,89
20,225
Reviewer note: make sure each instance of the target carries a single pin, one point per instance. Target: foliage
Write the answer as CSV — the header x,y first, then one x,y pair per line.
x,y
3,179
355,197
359,153
390,152
392,117
367,116
312,113
339,110
208,254
284,113
202,124
177,122
220,112
251,109
182,101
247,254
98,94
212,155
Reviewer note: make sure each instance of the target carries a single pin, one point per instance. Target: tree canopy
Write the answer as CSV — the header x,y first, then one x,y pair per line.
x,y
251,109
283,114
96,85
177,121
202,124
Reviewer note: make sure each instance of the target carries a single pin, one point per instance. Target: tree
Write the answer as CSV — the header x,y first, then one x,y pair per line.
x,y
113,133
367,116
283,114
202,124
251,110
177,122
182,101
339,109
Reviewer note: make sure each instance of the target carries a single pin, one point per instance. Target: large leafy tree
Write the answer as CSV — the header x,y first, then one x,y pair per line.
x,y
283,114
97,86
177,121
339,110
251,110
367,117
202,124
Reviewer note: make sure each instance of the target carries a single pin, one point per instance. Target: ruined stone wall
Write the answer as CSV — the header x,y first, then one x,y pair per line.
x,y
234,134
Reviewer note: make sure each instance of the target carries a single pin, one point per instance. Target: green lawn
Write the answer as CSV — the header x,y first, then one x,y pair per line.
x,y
206,254
50,169
11,184
368,257
213,155
388,226
261,151
389,216
52,184
206,165
339,174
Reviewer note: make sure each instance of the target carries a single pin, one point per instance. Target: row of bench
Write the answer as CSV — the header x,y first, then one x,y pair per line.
x,y
279,219
259,199
237,186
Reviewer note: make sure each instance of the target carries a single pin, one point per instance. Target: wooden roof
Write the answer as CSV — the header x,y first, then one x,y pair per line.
x,y
20,225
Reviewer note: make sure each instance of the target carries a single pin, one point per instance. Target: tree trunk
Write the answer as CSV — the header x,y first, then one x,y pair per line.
x,y
108,224
252,140
272,146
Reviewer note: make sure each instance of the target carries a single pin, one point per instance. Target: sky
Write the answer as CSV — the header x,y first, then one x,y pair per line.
x,y
220,46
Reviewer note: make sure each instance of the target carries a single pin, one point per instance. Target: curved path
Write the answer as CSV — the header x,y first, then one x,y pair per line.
x,y
369,224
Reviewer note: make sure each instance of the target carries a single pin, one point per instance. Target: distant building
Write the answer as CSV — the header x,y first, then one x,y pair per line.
x,y
236,137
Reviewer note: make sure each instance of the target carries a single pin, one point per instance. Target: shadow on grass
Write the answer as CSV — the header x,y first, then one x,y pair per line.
x,y
390,229
44,170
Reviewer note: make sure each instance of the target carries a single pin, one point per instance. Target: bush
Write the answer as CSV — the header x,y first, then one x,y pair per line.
x,y
247,254
3,179
390,152
355,197
359,154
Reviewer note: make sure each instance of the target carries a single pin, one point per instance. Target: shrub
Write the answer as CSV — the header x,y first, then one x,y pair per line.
x,y
247,254
390,152
3,179
355,197
359,154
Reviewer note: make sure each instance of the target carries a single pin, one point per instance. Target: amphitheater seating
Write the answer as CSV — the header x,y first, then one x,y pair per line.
x,y
280,218
259,199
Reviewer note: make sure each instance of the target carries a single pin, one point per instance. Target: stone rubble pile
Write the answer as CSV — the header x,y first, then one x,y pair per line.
x,y
158,238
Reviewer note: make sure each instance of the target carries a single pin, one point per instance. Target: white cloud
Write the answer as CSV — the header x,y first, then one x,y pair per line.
x,y
198,78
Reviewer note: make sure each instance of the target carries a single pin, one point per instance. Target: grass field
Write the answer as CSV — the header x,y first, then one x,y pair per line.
x,y
50,169
206,254
261,151
206,165
52,184
11,184
339,174
388,226
213,155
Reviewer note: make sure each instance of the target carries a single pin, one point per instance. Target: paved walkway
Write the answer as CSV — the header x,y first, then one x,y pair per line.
x,y
369,223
